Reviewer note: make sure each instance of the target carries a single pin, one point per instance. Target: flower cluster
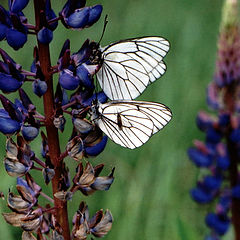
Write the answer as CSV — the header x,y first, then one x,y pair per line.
x,y
22,123
218,157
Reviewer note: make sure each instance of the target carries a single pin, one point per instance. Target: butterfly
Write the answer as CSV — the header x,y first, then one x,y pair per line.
x,y
130,123
127,67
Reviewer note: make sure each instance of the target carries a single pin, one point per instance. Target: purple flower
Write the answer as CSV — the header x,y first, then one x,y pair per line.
x,y
16,6
199,158
95,150
39,87
8,83
45,35
8,126
68,80
83,17
219,223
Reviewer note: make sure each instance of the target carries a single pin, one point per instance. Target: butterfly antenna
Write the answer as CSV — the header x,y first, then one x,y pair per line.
x,y
104,28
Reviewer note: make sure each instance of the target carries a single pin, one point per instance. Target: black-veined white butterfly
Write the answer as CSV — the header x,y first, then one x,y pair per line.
x,y
129,66
130,123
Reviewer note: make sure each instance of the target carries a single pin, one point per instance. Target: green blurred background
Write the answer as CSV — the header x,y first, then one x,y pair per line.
x,y
149,198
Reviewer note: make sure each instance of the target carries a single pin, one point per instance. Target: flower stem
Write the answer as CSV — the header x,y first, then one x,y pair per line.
x,y
52,133
233,170
229,99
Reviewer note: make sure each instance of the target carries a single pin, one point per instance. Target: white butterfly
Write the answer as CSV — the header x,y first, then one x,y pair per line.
x,y
130,123
129,66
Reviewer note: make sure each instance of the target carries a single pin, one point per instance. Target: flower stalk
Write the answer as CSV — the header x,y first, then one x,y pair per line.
x,y
52,132
22,119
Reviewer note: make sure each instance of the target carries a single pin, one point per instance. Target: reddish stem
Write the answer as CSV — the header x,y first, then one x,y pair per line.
x,y
52,133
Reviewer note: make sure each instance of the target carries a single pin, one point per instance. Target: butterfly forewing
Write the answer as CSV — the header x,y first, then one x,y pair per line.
x,y
131,123
129,66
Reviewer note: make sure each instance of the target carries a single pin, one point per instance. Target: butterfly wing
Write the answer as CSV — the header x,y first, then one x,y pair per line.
x,y
131,123
129,66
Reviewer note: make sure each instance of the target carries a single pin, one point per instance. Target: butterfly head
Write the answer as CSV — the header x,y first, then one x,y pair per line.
x,y
96,54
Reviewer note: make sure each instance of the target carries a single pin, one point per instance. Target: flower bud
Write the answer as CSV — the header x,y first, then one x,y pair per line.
x,y
84,76
45,35
16,6
15,38
3,31
9,126
223,162
29,133
224,204
100,96
199,158
94,14
68,80
219,223
236,192
199,195
213,136
235,135
39,87
9,83
82,55
78,19
50,14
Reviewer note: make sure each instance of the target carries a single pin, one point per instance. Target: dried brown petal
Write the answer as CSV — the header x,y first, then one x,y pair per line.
x,y
18,204
33,185
104,226
75,148
59,122
102,183
64,196
48,174
32,221
28,236
80,232
82,125
14,168
25,193
56,236
87,177
31,224
11,149
13,218
2,196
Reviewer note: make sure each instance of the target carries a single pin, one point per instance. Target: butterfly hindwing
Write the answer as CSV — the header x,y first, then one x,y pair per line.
x,y
129,66
131,123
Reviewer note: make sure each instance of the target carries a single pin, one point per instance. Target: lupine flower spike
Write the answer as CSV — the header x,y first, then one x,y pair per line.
x,y
219,153
92,116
